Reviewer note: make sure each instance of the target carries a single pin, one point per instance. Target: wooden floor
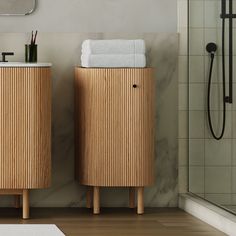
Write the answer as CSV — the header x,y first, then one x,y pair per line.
x,y
114,222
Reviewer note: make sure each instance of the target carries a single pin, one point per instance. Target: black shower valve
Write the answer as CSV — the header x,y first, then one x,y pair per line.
x,y
211,47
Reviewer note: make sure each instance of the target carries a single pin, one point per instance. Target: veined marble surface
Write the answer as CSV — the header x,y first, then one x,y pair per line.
x,y
63,50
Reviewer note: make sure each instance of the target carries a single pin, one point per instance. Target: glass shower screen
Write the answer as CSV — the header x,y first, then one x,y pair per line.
x,y
212,86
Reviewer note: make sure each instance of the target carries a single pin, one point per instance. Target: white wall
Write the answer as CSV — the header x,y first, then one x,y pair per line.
x,y
97,16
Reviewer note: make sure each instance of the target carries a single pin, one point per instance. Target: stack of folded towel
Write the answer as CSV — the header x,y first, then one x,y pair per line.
x,y
113,53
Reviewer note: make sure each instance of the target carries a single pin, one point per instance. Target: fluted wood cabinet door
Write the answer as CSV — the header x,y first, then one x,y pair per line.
x,y
25,128
114,126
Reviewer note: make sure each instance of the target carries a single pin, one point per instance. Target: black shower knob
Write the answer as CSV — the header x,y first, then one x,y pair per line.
x,y
211,47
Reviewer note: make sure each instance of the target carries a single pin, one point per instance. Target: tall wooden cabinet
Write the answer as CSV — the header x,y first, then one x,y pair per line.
x,y
25,131
114,130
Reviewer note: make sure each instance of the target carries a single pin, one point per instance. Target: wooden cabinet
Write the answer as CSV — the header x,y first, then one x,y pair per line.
x,y
115,130
25,131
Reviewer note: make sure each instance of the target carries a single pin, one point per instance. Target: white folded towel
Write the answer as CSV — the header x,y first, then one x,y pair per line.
x,y
115,46
113,61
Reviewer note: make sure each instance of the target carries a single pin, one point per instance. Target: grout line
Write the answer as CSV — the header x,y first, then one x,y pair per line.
x,y
232,135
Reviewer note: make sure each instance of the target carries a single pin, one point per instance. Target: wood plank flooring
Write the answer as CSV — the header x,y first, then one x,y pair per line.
x,y
114,222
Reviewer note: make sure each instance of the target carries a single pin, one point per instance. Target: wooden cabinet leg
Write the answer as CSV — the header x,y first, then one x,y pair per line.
x,y
89,195
140,209
96,200
26,204
132,198
17,201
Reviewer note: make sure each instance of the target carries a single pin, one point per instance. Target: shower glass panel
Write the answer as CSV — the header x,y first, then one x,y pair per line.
x,y
212,163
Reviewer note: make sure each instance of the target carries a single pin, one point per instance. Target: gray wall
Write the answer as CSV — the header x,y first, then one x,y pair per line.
x,y
97,16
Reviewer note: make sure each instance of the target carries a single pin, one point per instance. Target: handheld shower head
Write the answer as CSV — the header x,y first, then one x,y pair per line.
x,y
211,48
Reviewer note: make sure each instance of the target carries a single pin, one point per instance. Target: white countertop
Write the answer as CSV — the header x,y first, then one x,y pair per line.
x,y
23,64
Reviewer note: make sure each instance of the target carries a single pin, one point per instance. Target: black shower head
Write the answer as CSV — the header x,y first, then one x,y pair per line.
x,y
211,47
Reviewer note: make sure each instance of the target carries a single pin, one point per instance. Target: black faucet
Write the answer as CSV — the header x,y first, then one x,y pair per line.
x,y
4,54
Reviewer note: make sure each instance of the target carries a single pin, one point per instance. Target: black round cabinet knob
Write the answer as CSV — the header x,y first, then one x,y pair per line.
x,y
135,86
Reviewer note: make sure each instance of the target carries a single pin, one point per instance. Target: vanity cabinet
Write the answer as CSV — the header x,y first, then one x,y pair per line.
x,y
114,131
25,130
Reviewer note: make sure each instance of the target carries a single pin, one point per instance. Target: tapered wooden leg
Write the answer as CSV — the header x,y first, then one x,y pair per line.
x,y
17,201
96,200
132,198
26,204
89,197
140,209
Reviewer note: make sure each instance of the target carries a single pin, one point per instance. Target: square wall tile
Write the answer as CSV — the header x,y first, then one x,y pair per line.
x,y
220,70
183,69
234,179
226,42
218,153
182,6
220,199
217,124
212,13
183,152
234,96
196,69
215,35
183,97
217,74
234,152
233,199
233,127
234,68
218,180
216,97
200,195
196,179
196,10
211,36
183,124
183,41
197,97
196,152
196,124
196,41
183,179
234,6
234,32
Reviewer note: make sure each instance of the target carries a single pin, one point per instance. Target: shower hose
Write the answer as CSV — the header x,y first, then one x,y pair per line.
x,y
211,48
